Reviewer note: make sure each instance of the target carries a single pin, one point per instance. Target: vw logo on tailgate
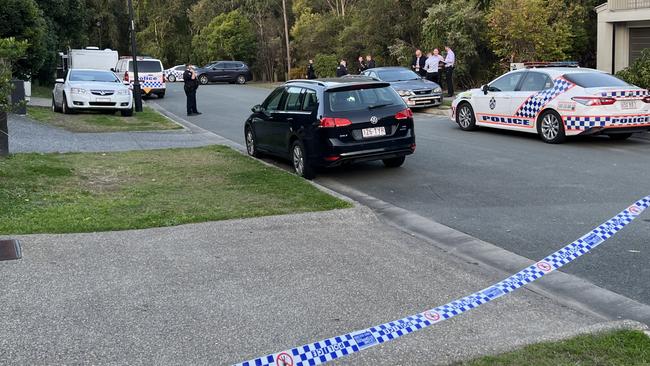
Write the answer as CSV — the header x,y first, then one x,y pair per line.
x,y
374,120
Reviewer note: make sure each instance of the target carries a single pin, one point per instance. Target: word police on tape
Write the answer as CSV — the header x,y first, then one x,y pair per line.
x,y
332,348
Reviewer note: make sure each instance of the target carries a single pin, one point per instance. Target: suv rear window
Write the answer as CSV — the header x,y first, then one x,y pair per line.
x,y
147,66
360,99
595,80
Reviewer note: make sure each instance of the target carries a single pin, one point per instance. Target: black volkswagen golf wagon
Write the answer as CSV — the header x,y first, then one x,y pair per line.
x,y
329,122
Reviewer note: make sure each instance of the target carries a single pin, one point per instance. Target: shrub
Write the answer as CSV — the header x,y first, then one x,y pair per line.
x,y
325,65
639,72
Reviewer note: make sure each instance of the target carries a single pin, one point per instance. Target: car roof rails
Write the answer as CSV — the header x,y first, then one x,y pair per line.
x,y
536,64
305,81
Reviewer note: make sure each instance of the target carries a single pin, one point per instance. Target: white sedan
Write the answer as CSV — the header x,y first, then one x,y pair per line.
x,y
556,102
91,90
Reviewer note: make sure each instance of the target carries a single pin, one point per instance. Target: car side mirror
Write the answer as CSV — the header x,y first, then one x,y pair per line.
x,y
485,89
113,69
59,81
257,109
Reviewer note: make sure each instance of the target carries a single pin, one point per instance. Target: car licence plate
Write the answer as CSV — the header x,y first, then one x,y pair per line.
x,y
373,132
103,99
628,104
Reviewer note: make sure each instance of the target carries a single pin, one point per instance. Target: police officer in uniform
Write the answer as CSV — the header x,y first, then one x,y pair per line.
x,y
190,84
370,63
311,73
361,66
342,69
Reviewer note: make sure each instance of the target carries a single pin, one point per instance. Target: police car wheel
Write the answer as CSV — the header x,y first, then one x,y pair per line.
x,y
620,136
203,79
465,117
241,80
550,128
171,78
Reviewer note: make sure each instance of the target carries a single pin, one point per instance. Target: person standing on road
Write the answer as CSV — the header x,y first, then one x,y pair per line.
x,y
432,65
190,84
342,69
450,62
418,62
370,63
311,73
361,66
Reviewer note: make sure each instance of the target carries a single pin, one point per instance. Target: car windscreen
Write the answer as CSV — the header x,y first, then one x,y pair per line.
x,y
595,80
362,99
397,75
147,66
100,76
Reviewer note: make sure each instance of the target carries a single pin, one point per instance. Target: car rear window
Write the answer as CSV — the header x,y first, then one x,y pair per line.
x,y
595,80
360,99
147,66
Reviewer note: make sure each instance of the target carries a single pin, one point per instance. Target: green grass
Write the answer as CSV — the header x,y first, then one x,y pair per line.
x,y
41,91
624,348
85,192
147,120
265,85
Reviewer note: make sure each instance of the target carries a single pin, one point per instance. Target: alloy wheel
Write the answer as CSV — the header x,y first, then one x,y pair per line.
x,y
464,117
550,126
250,143
298,159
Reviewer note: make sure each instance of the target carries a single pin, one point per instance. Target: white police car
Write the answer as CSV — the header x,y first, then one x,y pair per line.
x,y
174,74
556,102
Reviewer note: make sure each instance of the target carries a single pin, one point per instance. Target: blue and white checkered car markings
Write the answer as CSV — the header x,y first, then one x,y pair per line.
x,y
587,122
625,93
330,349
536,102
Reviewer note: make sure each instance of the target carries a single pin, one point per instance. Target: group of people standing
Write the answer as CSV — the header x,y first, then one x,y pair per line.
x,y
342,69
430,66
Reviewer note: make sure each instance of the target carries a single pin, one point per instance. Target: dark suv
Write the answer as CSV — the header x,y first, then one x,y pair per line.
x,y
225,71
323,123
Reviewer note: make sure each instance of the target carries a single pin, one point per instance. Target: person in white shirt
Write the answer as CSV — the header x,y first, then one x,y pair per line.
x,y
432,65
450,63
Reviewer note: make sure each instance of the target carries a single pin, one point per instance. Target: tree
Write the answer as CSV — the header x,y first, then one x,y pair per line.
x,y
530,30
10,51
23,20
459,24
286,36
228,36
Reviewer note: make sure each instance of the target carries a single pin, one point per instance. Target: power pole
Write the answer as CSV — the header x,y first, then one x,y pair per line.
x,y
286,37
137,95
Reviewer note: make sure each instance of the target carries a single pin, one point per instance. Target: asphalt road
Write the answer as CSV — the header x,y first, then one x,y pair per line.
x,y
509,189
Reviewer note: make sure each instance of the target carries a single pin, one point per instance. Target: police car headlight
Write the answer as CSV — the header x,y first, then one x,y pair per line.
x,y
437,90
404,93
123,92
77,90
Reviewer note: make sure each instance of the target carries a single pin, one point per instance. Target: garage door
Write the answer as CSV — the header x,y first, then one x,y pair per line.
x,y
639,40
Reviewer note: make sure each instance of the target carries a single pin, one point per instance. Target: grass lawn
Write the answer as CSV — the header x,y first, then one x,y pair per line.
x,y
148,120
41,91
624,348
85,192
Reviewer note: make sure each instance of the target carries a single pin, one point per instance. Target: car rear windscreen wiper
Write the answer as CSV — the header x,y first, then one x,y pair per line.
x,y
379,105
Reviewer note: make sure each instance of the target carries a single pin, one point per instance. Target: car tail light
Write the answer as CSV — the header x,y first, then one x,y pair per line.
x,y
126,76
594,101
405,114
413,147
332,158
331,122
646,99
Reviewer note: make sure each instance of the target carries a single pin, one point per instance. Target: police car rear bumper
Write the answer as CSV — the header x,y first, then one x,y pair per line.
x,y
615,130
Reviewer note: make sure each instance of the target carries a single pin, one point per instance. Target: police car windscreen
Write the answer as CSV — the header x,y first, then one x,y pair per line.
x,y
362,99
94,76
397,75
595,80
147,66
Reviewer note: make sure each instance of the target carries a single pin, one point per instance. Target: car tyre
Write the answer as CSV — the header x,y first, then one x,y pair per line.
x,y
54,107
203,79
251,145
394,162
465,117
64,106
301,165
127,112
550,127
171,78
620,136
241,80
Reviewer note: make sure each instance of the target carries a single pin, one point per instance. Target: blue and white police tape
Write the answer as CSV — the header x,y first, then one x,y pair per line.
x,y
329,349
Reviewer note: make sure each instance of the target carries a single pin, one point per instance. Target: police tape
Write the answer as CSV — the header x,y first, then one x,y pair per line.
x,y
332,348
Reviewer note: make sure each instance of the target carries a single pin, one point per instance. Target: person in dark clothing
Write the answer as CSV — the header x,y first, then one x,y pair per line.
x,y
361,66
370,63
311,73
342,69
190,84
418,63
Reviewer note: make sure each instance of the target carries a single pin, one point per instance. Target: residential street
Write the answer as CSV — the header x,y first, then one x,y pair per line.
x,y
505,188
